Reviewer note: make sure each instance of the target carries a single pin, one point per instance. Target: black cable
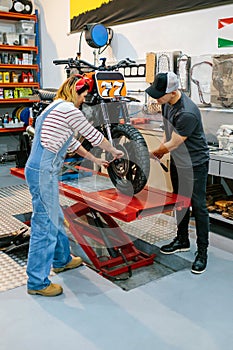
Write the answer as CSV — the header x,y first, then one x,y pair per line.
x,y
79,46
126,262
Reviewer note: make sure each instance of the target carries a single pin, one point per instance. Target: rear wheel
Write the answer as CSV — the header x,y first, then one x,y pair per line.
x,y
130,173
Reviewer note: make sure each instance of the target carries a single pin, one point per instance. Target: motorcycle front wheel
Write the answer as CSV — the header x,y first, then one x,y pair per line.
x,y
130,173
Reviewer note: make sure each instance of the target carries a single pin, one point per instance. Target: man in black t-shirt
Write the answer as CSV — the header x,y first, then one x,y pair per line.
x,y
184,138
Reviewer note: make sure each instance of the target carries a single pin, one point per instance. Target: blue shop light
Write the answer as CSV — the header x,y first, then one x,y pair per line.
x,y
96,35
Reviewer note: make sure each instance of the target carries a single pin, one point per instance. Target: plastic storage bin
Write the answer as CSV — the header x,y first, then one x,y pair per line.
x,y
12,38
25,27
5,5
27,39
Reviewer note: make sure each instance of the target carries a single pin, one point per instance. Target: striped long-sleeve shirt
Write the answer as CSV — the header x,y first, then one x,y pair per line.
x,y
62,122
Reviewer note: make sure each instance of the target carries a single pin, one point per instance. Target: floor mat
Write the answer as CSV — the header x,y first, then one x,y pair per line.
x,y
15,208
13,269
163,265
144,275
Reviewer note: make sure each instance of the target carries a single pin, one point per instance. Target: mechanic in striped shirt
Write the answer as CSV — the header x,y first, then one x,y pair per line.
x,y
55,131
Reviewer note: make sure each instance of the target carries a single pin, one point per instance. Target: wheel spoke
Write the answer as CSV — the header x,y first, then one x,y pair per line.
x,y
132,172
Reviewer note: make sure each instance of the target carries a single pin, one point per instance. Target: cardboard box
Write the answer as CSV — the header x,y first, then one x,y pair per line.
x,y
150,67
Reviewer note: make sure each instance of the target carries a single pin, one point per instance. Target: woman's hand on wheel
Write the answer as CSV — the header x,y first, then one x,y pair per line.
x,y
117,154
101,162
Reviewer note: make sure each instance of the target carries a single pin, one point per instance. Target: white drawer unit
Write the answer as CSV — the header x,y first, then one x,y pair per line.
x,y
226,170
221,171
214,167
221,164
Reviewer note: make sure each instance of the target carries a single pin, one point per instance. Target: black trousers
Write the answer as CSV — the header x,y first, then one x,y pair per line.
x,y
191,183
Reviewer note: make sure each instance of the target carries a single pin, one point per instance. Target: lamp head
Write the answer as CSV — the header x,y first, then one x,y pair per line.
x,y
97,35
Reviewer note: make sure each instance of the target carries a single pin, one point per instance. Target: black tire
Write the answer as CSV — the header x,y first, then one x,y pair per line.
x,y
129,174
24,150
24,143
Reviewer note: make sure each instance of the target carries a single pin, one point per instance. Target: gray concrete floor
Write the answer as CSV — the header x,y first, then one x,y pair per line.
x,y
180,311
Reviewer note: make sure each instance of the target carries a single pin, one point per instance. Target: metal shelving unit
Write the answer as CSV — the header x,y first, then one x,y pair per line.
x,y
12,17
9,104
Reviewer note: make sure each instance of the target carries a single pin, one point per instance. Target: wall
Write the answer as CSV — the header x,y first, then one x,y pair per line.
x,y
194,33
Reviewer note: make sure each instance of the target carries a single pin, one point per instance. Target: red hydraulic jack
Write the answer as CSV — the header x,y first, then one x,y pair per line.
x,y
99,209
91,219
122,255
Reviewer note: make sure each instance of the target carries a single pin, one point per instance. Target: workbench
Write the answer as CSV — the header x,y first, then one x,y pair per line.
x,y
99,208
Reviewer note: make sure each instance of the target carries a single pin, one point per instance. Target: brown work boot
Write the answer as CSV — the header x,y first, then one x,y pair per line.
x,y
51,291
75,262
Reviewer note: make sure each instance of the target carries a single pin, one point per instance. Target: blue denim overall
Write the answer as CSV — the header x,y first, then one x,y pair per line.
x,y
49,244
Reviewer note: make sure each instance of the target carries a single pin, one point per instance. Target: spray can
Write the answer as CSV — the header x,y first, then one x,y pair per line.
x,y
24,77
30,77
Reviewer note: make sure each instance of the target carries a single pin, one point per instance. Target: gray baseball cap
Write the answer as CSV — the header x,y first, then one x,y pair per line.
x,y
164,83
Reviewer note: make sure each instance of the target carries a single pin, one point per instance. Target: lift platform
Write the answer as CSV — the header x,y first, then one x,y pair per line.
x,y
91,219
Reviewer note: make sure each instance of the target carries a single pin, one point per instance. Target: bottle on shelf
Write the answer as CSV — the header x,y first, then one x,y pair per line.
x,y
16,93
6,118
16,59
30,120
14,77
30,77
10,121
5,57
24,77
6,77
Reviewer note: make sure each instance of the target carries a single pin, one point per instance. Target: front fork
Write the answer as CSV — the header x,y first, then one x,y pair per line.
x,y
107,123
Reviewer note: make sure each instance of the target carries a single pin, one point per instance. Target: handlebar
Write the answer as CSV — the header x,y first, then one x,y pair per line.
x,y
74,63
82,64
127,62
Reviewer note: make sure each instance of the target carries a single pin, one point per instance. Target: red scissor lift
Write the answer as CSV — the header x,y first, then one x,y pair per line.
x,y
91,218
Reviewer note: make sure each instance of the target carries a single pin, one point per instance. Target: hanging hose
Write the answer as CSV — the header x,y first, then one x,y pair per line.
x,y
126,262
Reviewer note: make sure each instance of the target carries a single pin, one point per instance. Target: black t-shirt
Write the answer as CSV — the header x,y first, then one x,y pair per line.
x,y
184,118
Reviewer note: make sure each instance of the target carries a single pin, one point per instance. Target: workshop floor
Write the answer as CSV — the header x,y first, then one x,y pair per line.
x,y
179,311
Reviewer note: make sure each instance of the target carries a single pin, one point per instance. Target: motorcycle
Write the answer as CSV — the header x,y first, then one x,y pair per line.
x,y
106,108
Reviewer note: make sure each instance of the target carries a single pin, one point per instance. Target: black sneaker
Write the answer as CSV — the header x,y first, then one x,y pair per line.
x,y
175,246
200,262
